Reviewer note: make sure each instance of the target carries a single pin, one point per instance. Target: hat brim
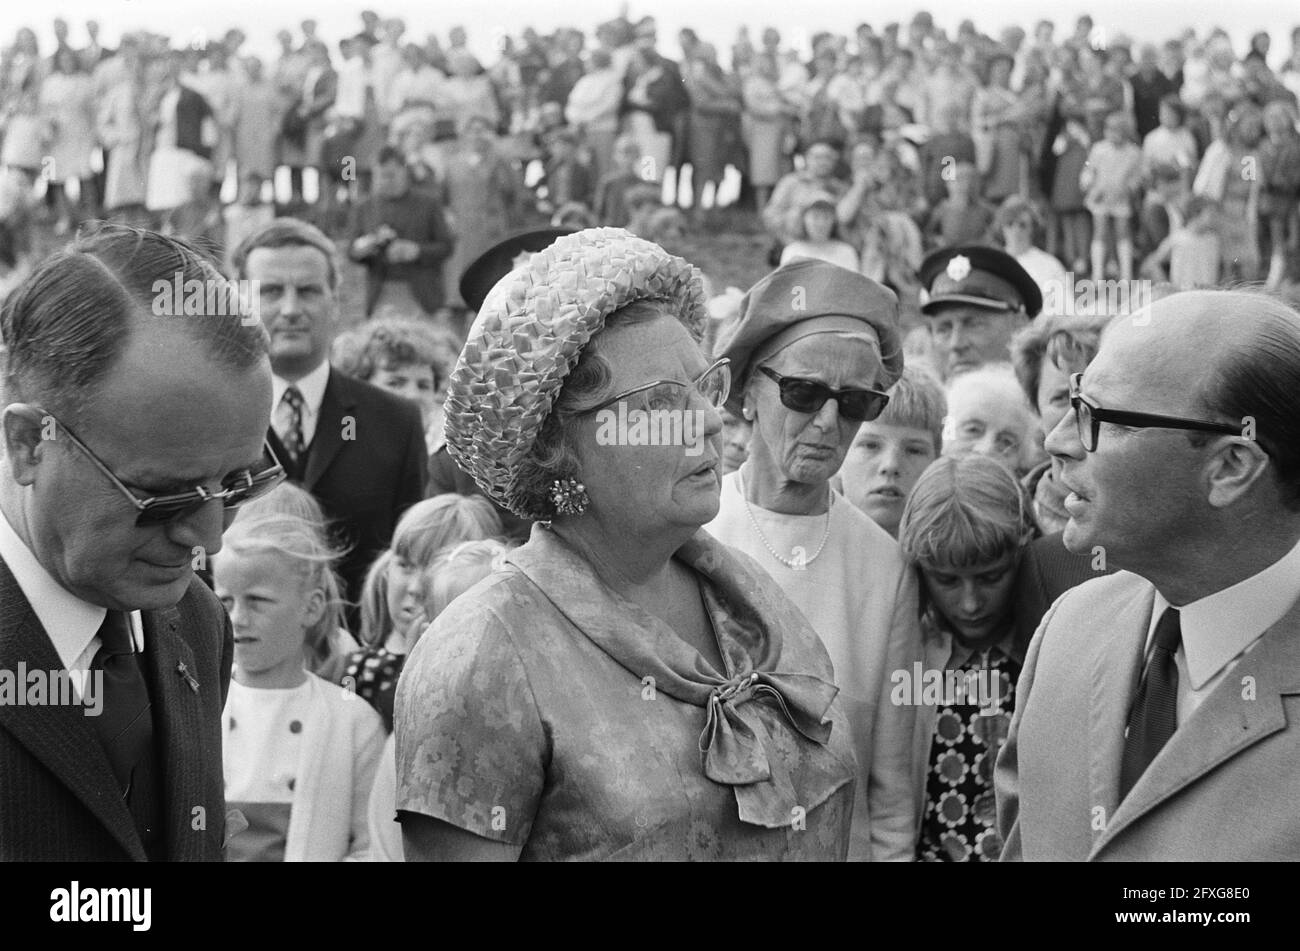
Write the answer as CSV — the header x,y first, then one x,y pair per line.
x,y
985,303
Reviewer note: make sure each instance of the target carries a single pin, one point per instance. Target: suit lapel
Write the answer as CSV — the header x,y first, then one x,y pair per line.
x,y
1231,719
58,735
1116,670
179,731
328,439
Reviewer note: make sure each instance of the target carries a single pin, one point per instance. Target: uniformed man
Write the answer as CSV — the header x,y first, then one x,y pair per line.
x,y
977,298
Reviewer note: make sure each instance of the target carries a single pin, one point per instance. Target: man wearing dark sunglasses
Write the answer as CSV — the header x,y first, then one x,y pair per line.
x,y
129,440
1155,712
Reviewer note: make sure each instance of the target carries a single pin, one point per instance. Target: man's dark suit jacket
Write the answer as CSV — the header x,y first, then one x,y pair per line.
x,y
366,466
58,797
1047,570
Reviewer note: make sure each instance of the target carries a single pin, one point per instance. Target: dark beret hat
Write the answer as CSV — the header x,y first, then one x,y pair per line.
x,y
981,276
799,292
499,260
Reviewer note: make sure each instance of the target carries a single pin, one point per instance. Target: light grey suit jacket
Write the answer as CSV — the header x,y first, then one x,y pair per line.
x,y
1226,787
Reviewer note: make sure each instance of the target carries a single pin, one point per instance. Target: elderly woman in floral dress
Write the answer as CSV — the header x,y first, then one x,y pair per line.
x,y
625,687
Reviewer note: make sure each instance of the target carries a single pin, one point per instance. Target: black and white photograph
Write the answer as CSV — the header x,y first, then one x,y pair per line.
x,y
651,432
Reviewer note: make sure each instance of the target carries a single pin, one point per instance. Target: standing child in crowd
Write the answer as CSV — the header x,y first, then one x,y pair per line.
x,y
1191,251
453,572
611,191
891,451
963,530
392,601
1110,181
963,217
1279,192
300,754
821,240
249,212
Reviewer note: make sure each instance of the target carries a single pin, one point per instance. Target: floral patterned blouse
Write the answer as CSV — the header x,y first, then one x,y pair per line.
x,y
544,710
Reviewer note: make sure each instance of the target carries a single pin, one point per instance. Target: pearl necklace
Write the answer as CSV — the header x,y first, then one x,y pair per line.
x,y
800,563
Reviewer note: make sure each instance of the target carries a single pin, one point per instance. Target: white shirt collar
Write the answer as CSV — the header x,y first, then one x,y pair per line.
x,y
312,388
1220,626
70,622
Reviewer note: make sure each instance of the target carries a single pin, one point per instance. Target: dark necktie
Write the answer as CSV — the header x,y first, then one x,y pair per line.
x,y
125,726
1154,716
293,440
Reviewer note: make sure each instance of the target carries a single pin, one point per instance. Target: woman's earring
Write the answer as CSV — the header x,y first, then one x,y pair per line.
x,y
570,496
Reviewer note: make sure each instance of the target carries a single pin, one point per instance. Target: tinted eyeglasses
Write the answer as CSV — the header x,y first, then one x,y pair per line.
x,y
1089,416
809,396
714,384
160,509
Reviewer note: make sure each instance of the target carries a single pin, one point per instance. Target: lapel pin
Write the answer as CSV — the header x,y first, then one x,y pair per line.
x,y
185,672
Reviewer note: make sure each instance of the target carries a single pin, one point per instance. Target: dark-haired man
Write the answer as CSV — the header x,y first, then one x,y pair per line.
x,y
358,449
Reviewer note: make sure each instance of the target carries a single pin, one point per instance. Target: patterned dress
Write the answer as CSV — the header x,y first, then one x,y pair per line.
x,y
960,821
544,710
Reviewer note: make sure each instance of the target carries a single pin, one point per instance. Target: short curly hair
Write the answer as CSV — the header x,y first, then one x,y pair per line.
x,y
387,342
552,455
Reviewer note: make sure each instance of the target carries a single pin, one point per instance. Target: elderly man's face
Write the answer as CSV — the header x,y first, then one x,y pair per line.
x,y
299,306
967,337
882,467
809,447
649,489
167,418
991,419
1139,495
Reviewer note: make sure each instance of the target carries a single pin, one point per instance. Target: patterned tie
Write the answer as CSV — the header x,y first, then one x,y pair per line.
x,y
293,442
1154,716
124,726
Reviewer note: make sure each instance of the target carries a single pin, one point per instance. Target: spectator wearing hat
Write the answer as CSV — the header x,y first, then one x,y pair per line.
x,y
813,349
555,711
821,240
401,237
977,298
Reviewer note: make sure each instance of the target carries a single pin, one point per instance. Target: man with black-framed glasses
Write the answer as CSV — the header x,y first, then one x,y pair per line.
x,y
131,435
1152,714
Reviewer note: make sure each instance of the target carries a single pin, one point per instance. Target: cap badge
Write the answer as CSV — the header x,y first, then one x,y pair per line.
x,y
959,267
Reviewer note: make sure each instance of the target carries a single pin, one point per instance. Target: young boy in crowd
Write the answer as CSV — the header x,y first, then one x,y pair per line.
x,y
962,217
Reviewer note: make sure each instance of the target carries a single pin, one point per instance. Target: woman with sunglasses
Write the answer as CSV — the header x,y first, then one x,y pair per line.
x,y
813,350
624,687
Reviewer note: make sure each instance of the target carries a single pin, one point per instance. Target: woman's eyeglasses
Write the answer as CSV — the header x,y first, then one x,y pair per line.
x,y
714,384
809,396
1089,416
160,509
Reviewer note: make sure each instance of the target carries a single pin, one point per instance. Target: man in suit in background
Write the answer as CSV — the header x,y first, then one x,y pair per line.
x,y
1158,712
125,434
358,449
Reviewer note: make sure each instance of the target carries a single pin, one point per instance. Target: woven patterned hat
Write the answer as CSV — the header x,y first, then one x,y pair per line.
x,y
529,334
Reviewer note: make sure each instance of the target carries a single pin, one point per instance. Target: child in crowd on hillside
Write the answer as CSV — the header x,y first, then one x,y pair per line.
x,y
962,217
1192,251
299,753
963,529
249,212
611,191
453,572
821,239
392,603
1110,181
1279,192
890,452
